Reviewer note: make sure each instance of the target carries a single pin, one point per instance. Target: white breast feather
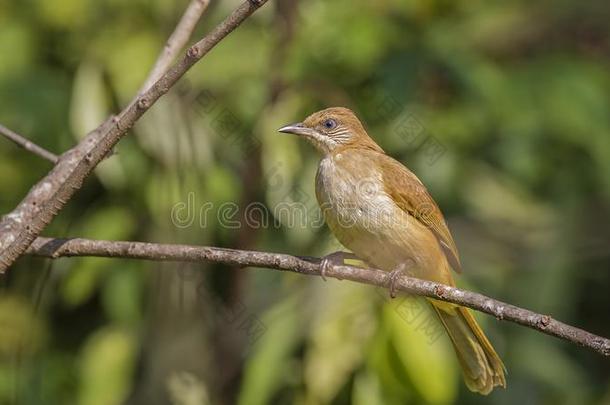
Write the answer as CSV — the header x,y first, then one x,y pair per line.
x,y
382,233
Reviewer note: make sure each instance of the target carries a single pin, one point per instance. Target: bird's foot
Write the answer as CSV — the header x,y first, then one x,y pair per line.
x,y
395,275
334,259
392,283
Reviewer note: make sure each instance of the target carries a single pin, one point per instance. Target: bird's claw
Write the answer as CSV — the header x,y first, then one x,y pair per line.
x,y
325,264
394,276
392,283
334,259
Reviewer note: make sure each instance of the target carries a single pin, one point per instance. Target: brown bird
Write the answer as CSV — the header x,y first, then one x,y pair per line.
x,y
381,211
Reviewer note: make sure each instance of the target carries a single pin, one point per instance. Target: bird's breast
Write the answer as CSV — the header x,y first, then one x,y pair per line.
x,y
351,195
366,220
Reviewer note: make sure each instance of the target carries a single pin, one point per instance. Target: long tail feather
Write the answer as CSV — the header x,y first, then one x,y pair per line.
x,y
481,366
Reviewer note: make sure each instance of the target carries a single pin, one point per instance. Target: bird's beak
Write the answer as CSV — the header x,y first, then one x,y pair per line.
x,y
298,129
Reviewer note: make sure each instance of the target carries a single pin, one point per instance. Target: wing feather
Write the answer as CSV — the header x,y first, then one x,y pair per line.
x,y
411,196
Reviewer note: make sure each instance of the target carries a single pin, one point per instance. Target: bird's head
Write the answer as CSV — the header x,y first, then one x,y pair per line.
x,y
332,129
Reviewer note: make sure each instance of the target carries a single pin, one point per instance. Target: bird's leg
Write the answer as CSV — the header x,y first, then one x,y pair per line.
x,y
335,259
395,274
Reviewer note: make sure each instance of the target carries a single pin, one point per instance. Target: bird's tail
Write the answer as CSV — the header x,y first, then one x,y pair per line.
x,y
481,366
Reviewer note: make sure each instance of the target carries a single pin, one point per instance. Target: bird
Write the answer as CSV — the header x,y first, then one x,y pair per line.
x,y
380,211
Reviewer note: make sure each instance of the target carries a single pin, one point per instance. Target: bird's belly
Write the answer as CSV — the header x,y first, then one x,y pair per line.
x,y
382,238
367,221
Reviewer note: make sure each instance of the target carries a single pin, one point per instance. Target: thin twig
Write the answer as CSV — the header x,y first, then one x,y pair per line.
x,y
28,145
177,41
44,201
55,248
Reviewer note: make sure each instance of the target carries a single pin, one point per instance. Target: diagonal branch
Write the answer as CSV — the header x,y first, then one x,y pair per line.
x,y
174,45
28,145
44,201
177,41
55,248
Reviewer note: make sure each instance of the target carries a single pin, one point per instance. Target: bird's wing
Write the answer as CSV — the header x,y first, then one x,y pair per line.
x,y
412,197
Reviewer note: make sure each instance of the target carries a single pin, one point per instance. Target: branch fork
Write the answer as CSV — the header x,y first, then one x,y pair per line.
x,y
45,199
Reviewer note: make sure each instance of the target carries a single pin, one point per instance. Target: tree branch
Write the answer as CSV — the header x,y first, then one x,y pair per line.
x,y
44,201
176,41
55,248
28,145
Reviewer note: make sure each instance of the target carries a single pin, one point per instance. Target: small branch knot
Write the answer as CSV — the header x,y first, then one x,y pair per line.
x,y
439,291
544,321
143,103
605,349
193,52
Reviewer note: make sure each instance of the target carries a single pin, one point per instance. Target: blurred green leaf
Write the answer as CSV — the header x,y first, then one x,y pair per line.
x,y
21,330
427,356
186,389
270,364
367,390
89,104
106,365
338,340
63,14
16,40
122,294
114,223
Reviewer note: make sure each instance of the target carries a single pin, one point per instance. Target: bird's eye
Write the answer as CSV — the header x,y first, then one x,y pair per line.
x,y
330,123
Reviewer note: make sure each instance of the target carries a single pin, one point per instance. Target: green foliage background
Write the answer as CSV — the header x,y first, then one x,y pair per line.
x,y
515,94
